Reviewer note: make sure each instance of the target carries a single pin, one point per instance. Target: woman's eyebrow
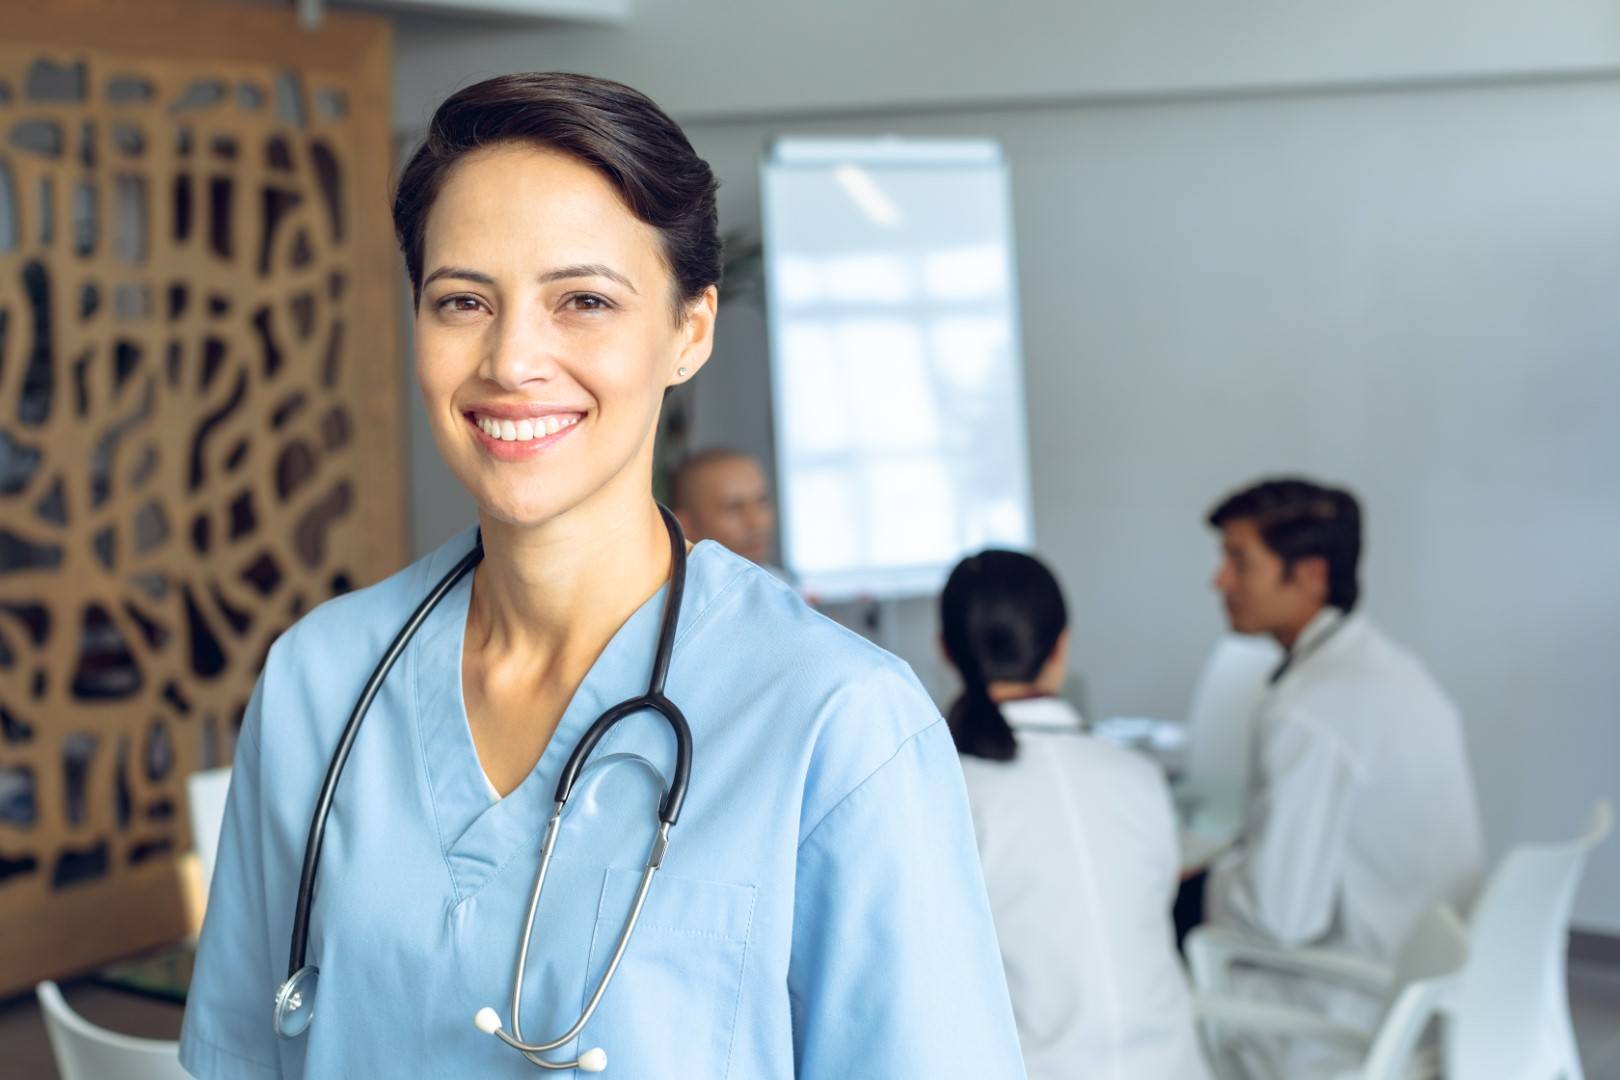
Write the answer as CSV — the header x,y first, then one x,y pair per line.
x,y
587,270
458,272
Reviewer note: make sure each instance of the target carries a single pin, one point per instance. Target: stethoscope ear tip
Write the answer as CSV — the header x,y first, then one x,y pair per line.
x,y
593,1060
487,1021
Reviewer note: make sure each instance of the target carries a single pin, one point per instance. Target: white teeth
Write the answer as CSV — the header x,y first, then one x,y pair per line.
x,y
525,430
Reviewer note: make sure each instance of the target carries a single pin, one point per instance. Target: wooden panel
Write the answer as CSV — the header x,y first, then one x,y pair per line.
x,y
199,422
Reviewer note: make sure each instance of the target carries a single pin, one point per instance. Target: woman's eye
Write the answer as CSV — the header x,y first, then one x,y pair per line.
x,y
459,304
587,302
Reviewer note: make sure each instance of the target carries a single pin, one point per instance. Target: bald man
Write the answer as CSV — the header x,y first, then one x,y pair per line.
x,y
720,494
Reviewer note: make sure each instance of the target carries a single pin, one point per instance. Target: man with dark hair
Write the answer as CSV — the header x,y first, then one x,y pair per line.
x,y
720,494
1361,813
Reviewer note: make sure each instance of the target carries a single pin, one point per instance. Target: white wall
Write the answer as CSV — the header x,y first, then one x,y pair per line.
x,y
734,57
1414,294
1410,291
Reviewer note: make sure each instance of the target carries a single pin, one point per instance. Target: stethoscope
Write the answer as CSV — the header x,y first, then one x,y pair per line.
x,y
1294,657
295,998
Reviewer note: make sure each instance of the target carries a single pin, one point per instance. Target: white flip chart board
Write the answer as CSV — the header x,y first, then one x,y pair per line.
x,y
897,378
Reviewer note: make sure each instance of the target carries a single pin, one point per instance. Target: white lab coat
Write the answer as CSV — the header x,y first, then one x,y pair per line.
x,y
1078,842
1361,815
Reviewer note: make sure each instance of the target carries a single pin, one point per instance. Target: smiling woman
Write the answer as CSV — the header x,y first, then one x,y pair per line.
x,y
818,910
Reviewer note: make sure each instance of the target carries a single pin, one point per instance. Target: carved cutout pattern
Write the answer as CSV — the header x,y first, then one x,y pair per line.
x,y
178,400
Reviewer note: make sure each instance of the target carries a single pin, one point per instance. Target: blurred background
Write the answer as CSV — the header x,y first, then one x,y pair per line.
x,y
1376,243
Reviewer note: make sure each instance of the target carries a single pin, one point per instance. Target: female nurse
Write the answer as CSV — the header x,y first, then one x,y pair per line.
x,y
1078,840
819,911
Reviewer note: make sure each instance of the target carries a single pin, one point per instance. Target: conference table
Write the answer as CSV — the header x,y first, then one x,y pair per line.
x,y
1209,815
163,973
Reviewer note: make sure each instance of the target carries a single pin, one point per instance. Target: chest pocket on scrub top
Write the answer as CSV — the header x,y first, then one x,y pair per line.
x,y
672,1009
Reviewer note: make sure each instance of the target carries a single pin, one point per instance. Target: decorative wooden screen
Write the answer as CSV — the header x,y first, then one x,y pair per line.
x,y
199,421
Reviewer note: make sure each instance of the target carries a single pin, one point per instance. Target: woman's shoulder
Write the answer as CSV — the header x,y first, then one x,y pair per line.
x,y
848,703
1098,769
361,623
1110,772
771,633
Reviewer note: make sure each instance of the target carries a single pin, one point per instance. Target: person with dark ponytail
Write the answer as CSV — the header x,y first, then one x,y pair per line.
x,y
1077,838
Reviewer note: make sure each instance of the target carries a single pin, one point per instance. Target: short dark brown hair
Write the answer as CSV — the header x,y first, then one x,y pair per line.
x,y
616,130
1298,519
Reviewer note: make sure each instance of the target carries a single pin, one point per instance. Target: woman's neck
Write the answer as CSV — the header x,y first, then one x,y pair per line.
x,y
1002,692
561,590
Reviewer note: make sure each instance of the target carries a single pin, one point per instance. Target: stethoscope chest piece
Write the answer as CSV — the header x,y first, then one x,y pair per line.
x,y
295,1002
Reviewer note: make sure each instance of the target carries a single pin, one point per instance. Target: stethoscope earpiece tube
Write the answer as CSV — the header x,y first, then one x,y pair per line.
x,y
669,811
340,756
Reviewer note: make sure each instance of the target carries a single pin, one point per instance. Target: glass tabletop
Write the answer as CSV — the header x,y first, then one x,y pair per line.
x,y
163,973
1210,816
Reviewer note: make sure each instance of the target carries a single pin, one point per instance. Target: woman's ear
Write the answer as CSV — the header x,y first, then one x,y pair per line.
x,y
1057,664
697,336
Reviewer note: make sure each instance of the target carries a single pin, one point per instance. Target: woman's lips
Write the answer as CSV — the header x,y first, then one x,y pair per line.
x,y
509,435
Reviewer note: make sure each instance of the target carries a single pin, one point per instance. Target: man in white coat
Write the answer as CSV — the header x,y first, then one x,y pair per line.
x,y
1361,813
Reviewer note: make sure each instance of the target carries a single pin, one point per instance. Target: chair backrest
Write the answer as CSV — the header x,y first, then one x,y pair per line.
x,y
1220,720
205,793
1438,945
1501,1007
84,1051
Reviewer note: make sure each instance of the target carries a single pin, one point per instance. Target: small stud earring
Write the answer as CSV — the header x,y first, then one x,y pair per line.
x,y
681,372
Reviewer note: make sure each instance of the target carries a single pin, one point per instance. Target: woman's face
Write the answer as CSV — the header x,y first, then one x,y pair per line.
x,y
545,334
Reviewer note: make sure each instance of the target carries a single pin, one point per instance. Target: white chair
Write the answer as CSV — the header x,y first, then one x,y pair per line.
x,y
1515,975
1498,984
1220,719
84,1051
1437,947
205,794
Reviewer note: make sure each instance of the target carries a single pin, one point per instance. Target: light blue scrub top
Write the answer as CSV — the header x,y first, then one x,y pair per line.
x,y
820,912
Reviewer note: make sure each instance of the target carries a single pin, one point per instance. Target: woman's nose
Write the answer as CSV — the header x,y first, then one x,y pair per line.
x,y
520,352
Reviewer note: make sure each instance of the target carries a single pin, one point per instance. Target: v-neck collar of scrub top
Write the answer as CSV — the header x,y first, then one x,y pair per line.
x,y
479,834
